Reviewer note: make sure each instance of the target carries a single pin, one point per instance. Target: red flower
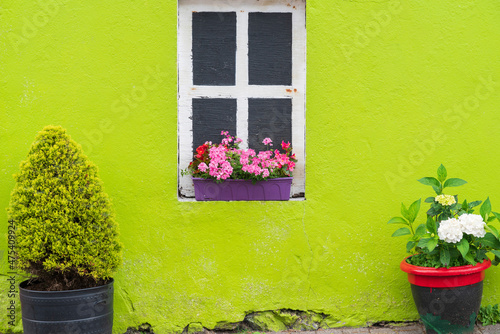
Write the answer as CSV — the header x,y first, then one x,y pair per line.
x,y
201,150
285,145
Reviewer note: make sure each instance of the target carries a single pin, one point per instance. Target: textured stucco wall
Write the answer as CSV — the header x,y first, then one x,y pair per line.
x,y
393,90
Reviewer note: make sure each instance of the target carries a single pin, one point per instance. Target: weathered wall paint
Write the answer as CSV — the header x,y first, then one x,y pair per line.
x,y
394,89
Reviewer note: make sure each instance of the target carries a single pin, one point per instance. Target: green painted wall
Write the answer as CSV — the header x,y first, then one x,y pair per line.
x,y
394,89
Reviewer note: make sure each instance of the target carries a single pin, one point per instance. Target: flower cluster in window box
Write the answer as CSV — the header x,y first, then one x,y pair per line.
x,y
226,160
452,235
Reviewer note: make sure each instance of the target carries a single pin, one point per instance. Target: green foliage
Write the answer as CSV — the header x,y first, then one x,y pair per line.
x,y
64,221
433,250
489,315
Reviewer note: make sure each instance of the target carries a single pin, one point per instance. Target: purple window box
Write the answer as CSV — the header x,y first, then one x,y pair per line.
x,y
242,190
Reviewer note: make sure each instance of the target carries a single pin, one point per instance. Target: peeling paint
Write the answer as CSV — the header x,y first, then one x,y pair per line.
x,y
141,329
280,320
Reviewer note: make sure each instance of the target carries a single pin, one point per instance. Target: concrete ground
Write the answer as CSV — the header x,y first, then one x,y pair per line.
x,y
413,328
410,328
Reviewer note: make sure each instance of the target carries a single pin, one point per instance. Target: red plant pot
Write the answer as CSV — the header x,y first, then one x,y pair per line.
x,y
447,299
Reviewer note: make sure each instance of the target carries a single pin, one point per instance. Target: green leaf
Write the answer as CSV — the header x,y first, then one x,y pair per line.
x,y
474,204
423,242
489,240
430,181
401,231
454,182
421,229
431,244
433,182
497,215
413,210
485,209
481,255
431,225
404,211
493,230
442,174
444,257
410,245
429,200
434,210
469,258
463,247
496,252
397,220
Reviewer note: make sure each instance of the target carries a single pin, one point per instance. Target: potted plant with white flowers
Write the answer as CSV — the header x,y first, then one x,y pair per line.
x,y
449,254
225,172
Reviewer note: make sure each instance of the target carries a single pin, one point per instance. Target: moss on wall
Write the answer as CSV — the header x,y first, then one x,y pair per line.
x,y
393,90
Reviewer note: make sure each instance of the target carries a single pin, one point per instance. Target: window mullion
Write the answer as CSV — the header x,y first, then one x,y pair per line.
x,y
242,75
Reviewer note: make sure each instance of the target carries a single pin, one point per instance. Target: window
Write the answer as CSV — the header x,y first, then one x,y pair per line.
x,y
241,68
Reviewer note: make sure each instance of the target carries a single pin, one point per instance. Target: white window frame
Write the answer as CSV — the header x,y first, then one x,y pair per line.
x,y
241,91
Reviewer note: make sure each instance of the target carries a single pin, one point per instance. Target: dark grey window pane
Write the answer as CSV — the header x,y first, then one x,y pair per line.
x,y
210,117
269,118
270,49
214,48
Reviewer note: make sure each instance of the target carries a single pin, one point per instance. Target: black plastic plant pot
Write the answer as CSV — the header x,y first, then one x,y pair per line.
x,y
447,299
82,311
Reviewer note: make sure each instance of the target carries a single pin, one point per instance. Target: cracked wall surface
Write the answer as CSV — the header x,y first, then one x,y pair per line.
x,y
272,320
394,88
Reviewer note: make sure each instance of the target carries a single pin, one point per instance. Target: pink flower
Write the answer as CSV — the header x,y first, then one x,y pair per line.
x,y
223,157
245,157
264,155
219,167
203,167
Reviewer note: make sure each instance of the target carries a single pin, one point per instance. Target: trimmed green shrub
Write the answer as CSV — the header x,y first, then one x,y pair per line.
x,y
65,228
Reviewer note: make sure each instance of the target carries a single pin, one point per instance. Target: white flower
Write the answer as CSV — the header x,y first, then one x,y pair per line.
x,y
472,224
445,199
450,230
